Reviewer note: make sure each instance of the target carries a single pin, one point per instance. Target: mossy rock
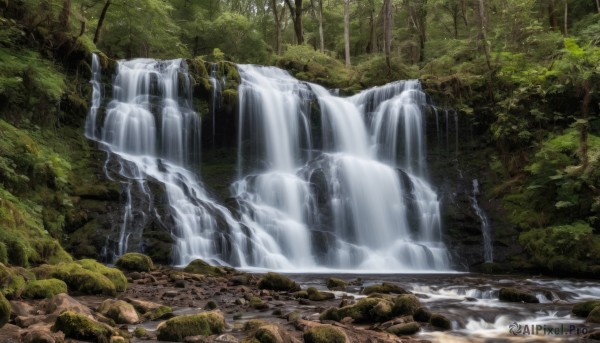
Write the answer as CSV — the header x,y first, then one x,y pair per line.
x,y
300,294
258,304
12,283
440,321
315,295
368,310
583,309
422,314
271,333
336,284
325,334
406,304
40,289
384,288
277,282
161,312
405,329
254,324
113,274
332,313
4,310
203,268
78,326
135,262
205,324
594,316
119,311
77,278
510,294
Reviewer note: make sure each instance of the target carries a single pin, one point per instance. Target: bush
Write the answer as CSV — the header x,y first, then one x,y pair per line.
x,y
38,289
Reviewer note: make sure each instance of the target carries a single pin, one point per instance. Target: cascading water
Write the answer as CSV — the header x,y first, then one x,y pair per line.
x,y
324,181
153,133
90,123
488,252
357,211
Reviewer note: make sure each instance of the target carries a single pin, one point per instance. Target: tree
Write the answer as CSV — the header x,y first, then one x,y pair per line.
x,y
347,31
296,12
387,32
277,14
482,33
321,35
101,21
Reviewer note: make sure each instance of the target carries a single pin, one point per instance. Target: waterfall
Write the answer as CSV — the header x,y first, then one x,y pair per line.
x,y
90,122
357,203
323,181
488,252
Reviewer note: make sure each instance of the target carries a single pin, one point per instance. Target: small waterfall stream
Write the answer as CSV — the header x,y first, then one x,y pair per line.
x,y
488,252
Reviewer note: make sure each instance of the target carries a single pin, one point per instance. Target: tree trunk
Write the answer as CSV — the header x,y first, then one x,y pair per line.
x,y
387,32
296,12
65,14
101,21
598,5
347,31
584,126
277,16
566,28
482,33
422,20
373,31
552,14
321,36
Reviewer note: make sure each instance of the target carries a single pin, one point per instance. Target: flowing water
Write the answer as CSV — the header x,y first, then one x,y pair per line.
x,y
488,252
323,181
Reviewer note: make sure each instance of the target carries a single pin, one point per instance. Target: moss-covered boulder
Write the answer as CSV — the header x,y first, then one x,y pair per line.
x,y
77,278
405,329
303,294
135,262
368,310
422,314
119,311
336,284
325,334
205,324
39,289
203,268
258,304
78,326
12,283
510,294
594,316
277,282
4,310
583,309
113,274
316,295
271,333
440,321
384,288
406,304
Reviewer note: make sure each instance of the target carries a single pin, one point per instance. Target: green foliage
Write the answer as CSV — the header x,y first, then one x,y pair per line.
x,y
205,324
135,262
39,289
562,249
78,326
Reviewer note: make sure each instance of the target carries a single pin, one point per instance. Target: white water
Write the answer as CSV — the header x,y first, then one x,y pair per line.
x,y
372,209
363,213
488,250
90,122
